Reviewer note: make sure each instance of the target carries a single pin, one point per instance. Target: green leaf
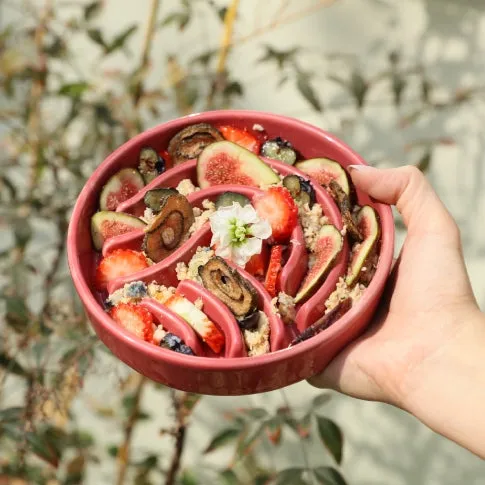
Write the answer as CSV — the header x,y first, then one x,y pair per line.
x,y
11,415
328,476
17,315
48,444
244,446
425,161
180,18
204,58
291,476
273,430
112,450
282,58
255,413
320,400
92,9
188,478
331,436
120,40
73,90
9,185
234,88
56,47
221,12
398,84
128,403
97,37
190,400
262,478
221,439
229,477
80,439
12,366
358,87
306,90
104,114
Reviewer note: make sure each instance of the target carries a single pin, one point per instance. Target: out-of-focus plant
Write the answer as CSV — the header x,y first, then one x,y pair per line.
x,y
57,122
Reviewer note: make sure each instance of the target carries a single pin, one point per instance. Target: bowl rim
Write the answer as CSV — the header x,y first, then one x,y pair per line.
x,y
156,353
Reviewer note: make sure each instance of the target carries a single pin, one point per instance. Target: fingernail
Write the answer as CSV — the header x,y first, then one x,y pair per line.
x,y
359,167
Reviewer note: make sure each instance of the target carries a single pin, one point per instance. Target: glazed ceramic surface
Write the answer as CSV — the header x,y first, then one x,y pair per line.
x,y
233,373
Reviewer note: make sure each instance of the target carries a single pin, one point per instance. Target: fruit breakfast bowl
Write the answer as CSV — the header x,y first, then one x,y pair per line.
x,y
228,252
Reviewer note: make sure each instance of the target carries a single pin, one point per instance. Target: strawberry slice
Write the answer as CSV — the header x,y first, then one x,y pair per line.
x,y
258,262
241,137
274,269
120,262
277,206
198,320
135,319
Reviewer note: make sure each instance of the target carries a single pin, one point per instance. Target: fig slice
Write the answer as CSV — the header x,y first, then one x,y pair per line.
x,y
107,224
229,286
120,187
364,254
189,142
225,162
323,170
169,228
328,245
343,202
324,322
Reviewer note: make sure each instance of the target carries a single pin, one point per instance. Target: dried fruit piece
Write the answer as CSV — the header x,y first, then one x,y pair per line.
x,y
229,286
198,320
277,207
274,269
325,321
188,143
120,187
364,254
300,189
169,229
155,198
121,262
135,319
327,247
227,199
225,162
106,224
343,202
150,164
241,137
323,170
279,149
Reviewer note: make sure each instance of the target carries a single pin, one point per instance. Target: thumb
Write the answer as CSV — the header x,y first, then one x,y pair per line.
x,y
409,190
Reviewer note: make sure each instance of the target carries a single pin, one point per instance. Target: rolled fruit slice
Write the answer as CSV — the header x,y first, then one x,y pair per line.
x,y
218,313
120,187
225,162
327,247
107,224
323,170
364,253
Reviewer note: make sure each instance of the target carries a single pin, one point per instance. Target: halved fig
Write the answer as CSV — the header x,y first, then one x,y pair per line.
x,y
229,286
364,254
120,187
106,224
155,198
343,202
169,229
189,142
323,170
150,164
327,247
225,162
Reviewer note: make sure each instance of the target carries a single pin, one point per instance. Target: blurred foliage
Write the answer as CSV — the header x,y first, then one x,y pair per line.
x,y
57,123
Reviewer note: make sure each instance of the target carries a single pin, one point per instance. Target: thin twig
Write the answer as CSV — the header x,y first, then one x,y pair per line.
x,y
124,450
226,42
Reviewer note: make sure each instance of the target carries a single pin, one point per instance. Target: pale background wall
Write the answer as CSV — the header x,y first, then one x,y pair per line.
x,y
384,446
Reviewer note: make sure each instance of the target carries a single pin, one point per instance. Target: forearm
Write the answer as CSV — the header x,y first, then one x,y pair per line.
x,y
447,392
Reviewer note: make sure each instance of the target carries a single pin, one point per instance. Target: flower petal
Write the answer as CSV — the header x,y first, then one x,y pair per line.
x,y
261,229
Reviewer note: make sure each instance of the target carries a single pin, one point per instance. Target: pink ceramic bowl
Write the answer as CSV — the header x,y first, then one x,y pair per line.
x,y
234,375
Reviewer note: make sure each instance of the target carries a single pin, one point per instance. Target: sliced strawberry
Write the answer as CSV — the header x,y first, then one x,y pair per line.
x,y
277,206
198,320
135,319
120,262
257,264
274,269
168,159
241,137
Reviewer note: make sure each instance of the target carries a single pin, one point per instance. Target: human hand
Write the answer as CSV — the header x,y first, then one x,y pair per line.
x,y
428,307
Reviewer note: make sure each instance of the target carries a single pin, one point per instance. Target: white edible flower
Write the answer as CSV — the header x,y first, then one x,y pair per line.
x,y
238,232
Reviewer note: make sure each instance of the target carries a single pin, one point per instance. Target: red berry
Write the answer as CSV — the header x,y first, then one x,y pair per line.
x,y
274,269
241,137
257,264
277,206
120,262
135,319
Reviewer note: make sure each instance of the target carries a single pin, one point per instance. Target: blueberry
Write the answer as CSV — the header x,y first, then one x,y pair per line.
x,y
137,289
185,349
108,304
160,165
170,341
